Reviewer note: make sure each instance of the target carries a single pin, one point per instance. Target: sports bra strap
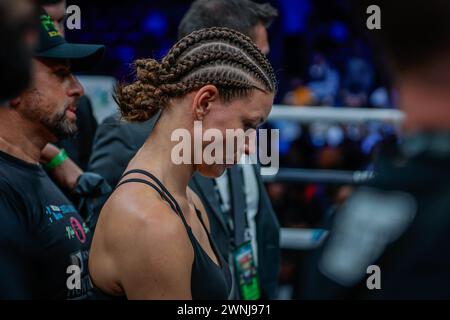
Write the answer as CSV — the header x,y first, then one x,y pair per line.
x,y
165,194
162,194
162,190
199,215
151,176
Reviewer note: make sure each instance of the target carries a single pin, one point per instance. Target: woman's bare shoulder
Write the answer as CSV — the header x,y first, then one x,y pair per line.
x,y
140,241
132,223
140,238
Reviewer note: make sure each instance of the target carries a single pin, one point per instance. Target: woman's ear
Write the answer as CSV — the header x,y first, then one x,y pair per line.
x,y
203,100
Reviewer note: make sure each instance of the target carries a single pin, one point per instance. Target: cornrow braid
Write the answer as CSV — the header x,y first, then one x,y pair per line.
x,y
215,54
218,56
223,35
220,33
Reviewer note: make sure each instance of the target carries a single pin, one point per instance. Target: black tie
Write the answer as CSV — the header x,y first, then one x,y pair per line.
x,y
239,205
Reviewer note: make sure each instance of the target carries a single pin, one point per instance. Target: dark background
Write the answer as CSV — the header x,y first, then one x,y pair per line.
x,y
138,28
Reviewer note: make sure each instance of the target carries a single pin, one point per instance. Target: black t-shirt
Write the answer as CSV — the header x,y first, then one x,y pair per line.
x,y
44,242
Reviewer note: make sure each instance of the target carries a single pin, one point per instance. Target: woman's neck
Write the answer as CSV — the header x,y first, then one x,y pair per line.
x,y
155,156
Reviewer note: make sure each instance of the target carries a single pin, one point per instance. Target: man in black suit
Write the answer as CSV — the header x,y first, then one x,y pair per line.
x,y
238,198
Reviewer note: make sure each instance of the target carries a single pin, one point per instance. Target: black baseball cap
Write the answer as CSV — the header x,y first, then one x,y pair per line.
x,y
53,45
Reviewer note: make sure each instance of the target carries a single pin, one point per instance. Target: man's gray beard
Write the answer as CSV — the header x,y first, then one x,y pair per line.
x,y
60,126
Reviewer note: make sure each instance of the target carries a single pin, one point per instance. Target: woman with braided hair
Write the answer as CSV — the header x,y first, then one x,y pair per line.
x,y
152,238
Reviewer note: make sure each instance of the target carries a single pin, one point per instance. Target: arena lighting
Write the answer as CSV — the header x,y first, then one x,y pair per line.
x,y
309,239
308,114
295,175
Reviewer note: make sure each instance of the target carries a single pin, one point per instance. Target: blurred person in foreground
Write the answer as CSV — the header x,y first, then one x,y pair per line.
x,y
392,235
43,239
236,198
18,35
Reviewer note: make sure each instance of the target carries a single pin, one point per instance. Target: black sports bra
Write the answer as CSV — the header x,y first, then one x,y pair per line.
x,y
209,281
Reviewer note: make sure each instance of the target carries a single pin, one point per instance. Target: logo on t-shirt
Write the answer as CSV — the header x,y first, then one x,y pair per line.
x,y
67,214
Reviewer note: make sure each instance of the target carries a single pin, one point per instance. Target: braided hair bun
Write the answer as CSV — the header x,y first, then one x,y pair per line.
x,y
218,56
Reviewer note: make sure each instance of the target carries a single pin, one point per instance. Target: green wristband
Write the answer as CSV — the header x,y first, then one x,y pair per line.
x,y
57,160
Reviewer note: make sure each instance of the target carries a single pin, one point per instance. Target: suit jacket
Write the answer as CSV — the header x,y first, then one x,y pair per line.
x,y
117,142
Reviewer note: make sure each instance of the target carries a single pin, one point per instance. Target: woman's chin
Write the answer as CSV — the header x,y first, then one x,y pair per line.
x,y
214,171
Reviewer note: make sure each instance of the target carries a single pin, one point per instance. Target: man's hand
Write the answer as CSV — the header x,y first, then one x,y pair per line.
x,y
65,175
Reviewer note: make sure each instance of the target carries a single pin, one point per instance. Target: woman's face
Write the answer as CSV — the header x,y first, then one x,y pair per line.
x,y
236,121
